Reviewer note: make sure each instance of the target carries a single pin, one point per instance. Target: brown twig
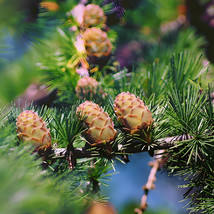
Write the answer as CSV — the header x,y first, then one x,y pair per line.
x,y
149,185
156,164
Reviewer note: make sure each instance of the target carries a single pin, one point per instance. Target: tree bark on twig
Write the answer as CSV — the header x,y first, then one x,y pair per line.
x,y
158,163
84,153
149,185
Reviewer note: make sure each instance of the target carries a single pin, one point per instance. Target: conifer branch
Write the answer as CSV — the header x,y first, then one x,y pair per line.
x,y
84,153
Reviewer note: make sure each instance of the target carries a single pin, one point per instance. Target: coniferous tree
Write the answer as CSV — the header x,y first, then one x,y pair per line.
x,y
54,158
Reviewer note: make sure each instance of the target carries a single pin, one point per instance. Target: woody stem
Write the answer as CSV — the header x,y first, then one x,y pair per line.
x,y
149,185
85,153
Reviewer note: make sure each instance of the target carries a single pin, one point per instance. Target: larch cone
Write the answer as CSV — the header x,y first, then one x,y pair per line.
x,y
93,16
100,126
132,112
97,43
85,86
33,129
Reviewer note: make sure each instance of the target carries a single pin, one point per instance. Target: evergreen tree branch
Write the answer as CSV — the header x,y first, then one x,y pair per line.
x,y
84,153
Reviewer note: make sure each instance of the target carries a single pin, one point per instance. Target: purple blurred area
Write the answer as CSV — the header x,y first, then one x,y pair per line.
x,y
129,54
201,15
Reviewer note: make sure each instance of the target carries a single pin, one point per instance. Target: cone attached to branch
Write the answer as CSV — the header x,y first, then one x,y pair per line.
x,y
97,43
100,126
132,112
86,86
33,129
93,16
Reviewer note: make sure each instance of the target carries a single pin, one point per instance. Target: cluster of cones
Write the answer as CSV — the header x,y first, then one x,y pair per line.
x,y
93,44
130,111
